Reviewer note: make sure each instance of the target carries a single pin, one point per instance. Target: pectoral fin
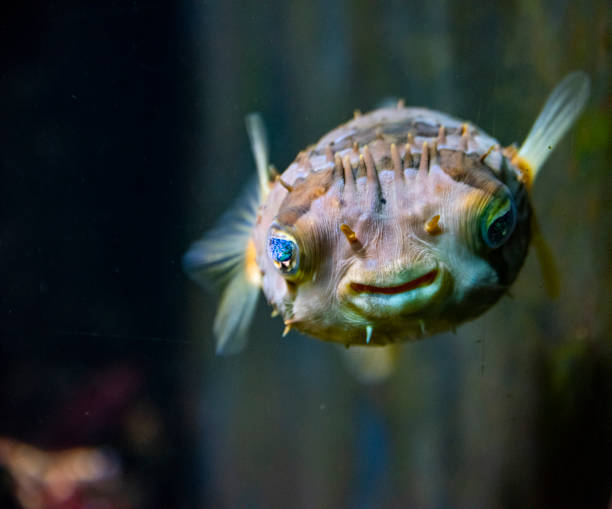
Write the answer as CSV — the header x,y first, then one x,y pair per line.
x,y
561,110
226,254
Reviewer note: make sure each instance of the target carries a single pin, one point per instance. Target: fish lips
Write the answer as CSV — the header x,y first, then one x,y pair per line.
x,y
407,293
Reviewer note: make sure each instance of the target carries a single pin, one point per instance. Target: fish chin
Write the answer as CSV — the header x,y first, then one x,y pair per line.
x,y
404,294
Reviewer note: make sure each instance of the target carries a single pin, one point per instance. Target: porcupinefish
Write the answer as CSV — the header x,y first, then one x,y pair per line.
x,y
399,224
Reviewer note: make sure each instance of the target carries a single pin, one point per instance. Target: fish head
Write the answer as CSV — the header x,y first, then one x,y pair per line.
x,y
405,255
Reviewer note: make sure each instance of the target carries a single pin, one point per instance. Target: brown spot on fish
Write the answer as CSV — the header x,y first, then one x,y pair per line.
x,y
303,193
467,169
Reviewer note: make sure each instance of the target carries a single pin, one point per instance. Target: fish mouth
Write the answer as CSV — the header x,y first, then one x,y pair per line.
x,y
418,282
405,293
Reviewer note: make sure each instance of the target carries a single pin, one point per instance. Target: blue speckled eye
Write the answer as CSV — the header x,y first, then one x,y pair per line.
x,y
498,222
283,251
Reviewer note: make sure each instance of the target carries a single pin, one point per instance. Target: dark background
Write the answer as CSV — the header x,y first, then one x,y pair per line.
x,y
122,139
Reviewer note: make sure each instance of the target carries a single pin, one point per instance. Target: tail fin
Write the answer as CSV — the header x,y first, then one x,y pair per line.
x,y
561,110
225,256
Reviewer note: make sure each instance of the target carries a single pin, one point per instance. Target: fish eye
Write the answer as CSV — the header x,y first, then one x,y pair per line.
x,y
284,252
498,221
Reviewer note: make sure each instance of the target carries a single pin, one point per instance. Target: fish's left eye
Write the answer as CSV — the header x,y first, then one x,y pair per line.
x,y
498,222
283,251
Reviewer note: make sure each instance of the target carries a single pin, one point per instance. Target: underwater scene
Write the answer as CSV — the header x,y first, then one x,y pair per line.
x,y
340,254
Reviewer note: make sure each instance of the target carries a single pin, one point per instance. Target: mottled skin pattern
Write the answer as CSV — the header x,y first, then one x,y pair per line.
x,y
406,274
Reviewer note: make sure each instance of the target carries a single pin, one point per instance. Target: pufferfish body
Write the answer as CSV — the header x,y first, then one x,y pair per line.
x,y
399,224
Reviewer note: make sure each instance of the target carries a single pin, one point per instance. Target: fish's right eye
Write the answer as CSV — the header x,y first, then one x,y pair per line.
x,y
498,222
284,252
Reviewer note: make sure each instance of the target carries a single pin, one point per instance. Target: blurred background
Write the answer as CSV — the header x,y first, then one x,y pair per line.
x,y
122,139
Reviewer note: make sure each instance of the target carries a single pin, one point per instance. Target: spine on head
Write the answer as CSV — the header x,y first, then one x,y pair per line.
x,y
225,256
561,110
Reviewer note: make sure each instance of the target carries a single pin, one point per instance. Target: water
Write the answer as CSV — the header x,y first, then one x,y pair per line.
x,y
123,139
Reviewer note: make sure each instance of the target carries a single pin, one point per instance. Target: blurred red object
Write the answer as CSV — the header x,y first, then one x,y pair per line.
x,y
67,479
